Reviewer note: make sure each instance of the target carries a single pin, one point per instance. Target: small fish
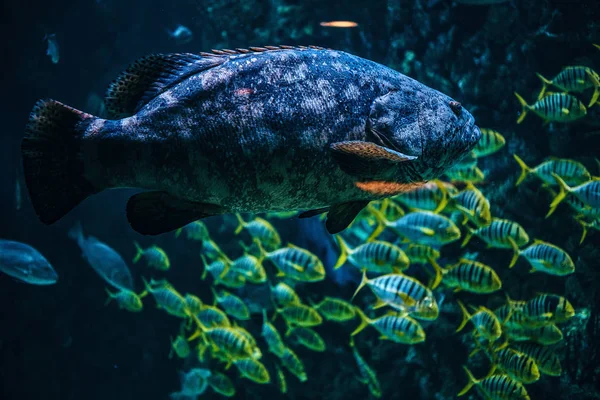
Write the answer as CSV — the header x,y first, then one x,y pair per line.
x,y
272,337
473,205
127,299
588,192
501,233
397,328
556,107
260,229
283,295
367,374
103,259
181,34
422,254
572,172
544,309
460,173
180,347
53,50
490,142
422,227
484,320
23,262
334,309
545,334
250,267
402,293
253,370
212,317
496,387
545,358
468,275
306,337
281,380
296,263
432,196
193,303
167,298
231,304
193,383
517,365
293,364
233,343
300,315
545,257
196,230
339,24
212,250
573,79
155,257
221,384
376,256
390,209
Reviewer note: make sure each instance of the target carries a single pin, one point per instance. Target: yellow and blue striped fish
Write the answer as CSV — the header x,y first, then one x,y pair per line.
x,y
468,275
300,315
253,370
545,309
367,374
306,337
432,196
402,293
296,263
250,267
490,142
212,317
167,298
588,192
155,257
283,295
556,107
334,309
473,205
127,299
422,254
293,364
196,230
180,347
496,387
519,366
574,79
572,172
545,334
221,383
546,359
193,303
394,327
376,256
501,233
465,173
231,304
260,229
272,337
545,257
232,342
484,320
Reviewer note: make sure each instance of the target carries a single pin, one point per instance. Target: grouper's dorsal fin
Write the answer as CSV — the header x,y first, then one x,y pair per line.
x,y
149,76
228,52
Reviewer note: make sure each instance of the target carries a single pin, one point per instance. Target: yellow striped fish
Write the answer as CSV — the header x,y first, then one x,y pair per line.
x,y
272,337
196,230
465,173
490,142
296,263
376,256
127,299
496,387
334,309
572,172
367,374
180,347
212,317
250,267
473,205
546,334
283,295
390,209
193,303
306,337
260,229
403,293
484,320
432,196
546,359
556,107
545,309
300,314
588,192
394,327
155,257
212,250
216,268
519,366
574,79
221,384
422,254
167,298
545,257
231,304
253,370
499,234
293,364
423,227
233,343
509,315
469,275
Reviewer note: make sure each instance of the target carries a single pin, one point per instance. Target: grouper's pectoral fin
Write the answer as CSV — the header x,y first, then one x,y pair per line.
x,y
384,188
312,213
153,213
341,215
358,157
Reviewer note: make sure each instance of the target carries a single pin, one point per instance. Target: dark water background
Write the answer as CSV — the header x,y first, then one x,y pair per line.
x,y
61,342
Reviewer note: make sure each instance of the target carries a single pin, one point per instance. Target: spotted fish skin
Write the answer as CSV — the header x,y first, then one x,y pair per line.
x,y
252,131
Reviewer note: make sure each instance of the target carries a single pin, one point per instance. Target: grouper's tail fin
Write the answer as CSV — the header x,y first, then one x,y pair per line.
x,y
52,159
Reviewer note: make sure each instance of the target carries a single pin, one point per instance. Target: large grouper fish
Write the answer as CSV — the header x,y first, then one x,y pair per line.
x,y
263,129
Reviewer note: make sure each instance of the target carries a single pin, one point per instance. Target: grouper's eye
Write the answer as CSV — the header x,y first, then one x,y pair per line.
x,y
456,108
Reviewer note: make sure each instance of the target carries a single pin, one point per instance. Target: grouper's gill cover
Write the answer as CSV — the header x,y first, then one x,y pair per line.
x,y
247,130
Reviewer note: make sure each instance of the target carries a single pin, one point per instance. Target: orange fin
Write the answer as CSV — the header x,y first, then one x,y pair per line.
x,y
384,188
